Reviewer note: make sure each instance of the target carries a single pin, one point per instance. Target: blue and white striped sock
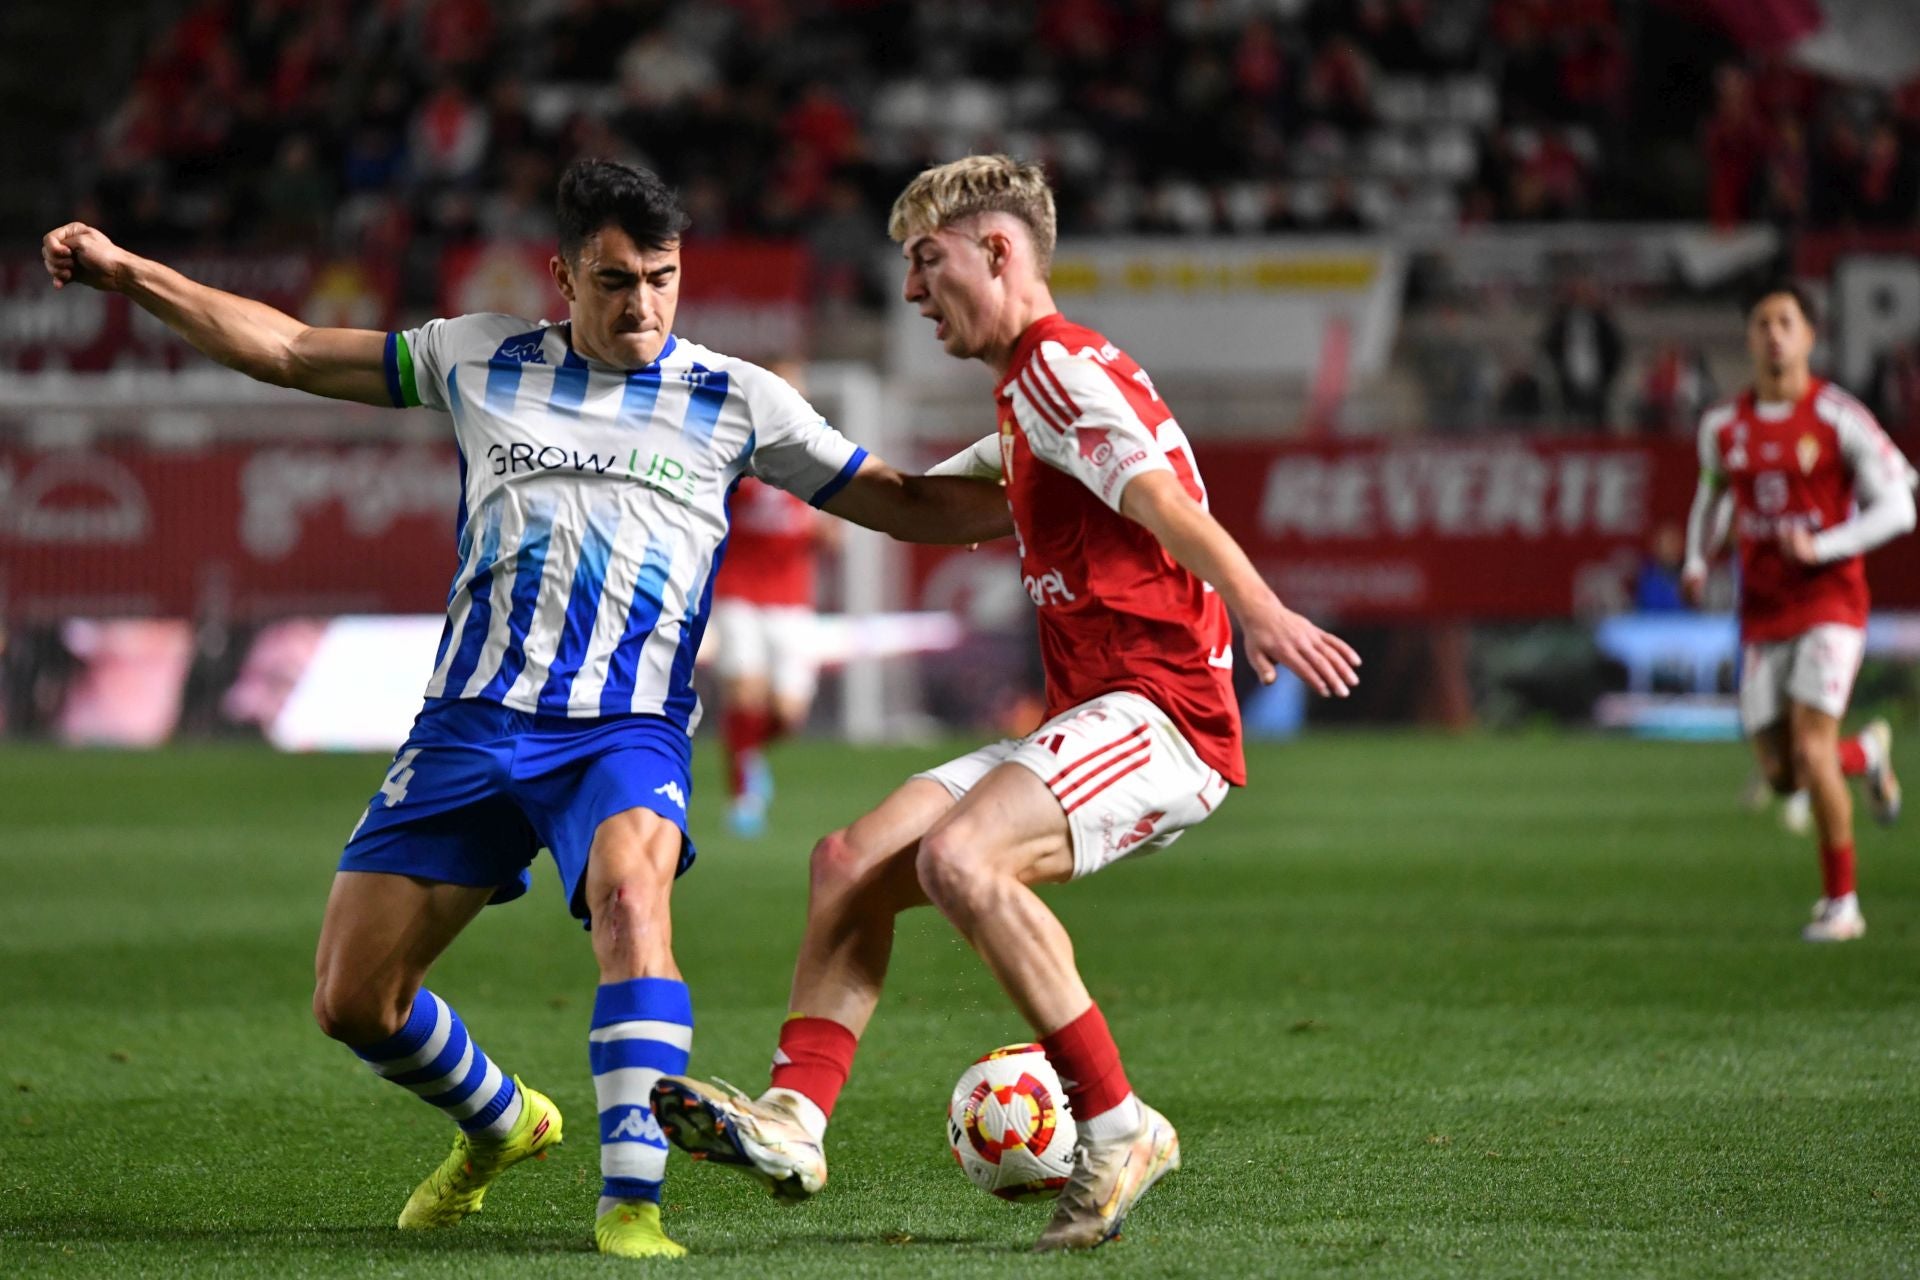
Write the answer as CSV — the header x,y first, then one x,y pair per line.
x,y
435,1058
642,1030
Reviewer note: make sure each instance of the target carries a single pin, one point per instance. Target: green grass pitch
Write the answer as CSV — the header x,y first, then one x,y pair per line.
x,y
1518,1006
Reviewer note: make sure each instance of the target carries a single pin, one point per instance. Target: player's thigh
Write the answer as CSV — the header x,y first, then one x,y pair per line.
x,y
380,935
1009,824
1124,778
872,857
1815,736
1773,751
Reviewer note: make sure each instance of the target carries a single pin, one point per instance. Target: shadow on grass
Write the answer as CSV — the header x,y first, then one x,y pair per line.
x,y
56,1232
387,1240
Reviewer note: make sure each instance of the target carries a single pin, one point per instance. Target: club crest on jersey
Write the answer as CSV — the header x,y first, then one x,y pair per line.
x,y
1807,451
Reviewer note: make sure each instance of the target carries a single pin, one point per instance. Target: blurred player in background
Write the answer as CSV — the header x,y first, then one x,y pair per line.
x,y
597,455
1133,580
1815,485
764,630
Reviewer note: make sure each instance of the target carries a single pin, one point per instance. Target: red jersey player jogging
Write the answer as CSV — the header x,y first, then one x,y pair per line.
x,y
1133,580
1815,485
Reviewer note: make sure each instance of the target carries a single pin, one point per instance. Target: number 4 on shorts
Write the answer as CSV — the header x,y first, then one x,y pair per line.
x,y
395,786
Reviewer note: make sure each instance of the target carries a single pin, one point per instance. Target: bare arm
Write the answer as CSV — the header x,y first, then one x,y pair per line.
x,y
1275,635
1702,528
940,509
259,341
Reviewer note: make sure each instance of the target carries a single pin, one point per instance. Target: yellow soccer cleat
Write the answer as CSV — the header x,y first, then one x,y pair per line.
x,y
632,1229
458,1186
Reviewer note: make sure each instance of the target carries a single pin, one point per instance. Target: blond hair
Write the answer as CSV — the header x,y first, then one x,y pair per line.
x,y
948,193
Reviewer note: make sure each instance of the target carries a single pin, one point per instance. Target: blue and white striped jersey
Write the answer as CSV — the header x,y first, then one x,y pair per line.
x,y
593,507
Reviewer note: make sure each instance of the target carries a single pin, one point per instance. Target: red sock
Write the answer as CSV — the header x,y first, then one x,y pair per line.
x,y
814,1059
1084,1054
743,731
1836,869
1853,757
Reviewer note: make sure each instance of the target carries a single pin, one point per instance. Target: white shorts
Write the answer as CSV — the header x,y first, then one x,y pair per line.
x,y
1128,779
770,642
1815,668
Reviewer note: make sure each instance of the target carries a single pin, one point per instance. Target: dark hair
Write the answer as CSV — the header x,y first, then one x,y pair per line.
x,y
1761,292
601,193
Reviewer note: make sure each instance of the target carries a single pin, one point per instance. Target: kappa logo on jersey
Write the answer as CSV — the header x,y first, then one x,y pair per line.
x,y
1142,830
525,349
1048,588
671,790
638,1123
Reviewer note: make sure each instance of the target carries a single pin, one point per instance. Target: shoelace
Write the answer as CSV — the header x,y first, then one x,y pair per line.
x,y
1077,1196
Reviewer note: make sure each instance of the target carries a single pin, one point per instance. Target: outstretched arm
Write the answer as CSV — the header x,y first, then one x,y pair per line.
x,y
1276,636
941,509
259,341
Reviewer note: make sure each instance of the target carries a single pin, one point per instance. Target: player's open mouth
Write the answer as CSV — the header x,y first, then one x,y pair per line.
x,y
940,330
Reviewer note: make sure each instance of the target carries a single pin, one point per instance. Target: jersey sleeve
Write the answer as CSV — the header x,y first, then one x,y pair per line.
x,y
794,448
1077,418
1877,465
1712,467
418,360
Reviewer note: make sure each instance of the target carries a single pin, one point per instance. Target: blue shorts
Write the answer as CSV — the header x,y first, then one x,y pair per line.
x,y
479,788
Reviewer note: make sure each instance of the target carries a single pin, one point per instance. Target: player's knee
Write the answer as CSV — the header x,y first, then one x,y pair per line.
x,y
949,876
1812,754
356,1017
835,864
630,907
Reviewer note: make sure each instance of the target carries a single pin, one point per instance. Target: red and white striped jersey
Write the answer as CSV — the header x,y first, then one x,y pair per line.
x,y
1795,464
1078,421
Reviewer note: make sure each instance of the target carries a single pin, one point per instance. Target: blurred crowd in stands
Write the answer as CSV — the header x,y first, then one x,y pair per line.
x,y
389,129
348,121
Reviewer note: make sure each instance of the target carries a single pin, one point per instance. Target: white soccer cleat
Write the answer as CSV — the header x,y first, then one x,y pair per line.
x,y
1835,920
761,1137
1883,788
1796,813
1108,1179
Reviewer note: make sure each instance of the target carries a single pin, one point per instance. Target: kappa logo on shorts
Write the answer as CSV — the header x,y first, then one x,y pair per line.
x,y
671,790
1142,830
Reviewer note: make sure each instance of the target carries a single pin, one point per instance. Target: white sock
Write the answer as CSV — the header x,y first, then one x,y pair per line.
x,y
804,1109
1870,748
1122,1120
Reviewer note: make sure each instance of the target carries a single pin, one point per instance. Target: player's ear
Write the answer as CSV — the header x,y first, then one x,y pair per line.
x,y
562,273
999,247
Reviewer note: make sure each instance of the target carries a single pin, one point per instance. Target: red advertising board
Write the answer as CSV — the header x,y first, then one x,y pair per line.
x,y
1506,528
1407,529
247,531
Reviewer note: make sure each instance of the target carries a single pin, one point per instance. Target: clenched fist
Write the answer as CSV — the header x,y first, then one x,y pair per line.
x,y
78,252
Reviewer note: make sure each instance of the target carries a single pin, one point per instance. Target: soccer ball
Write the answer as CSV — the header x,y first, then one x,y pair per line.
x,y
1009,1126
